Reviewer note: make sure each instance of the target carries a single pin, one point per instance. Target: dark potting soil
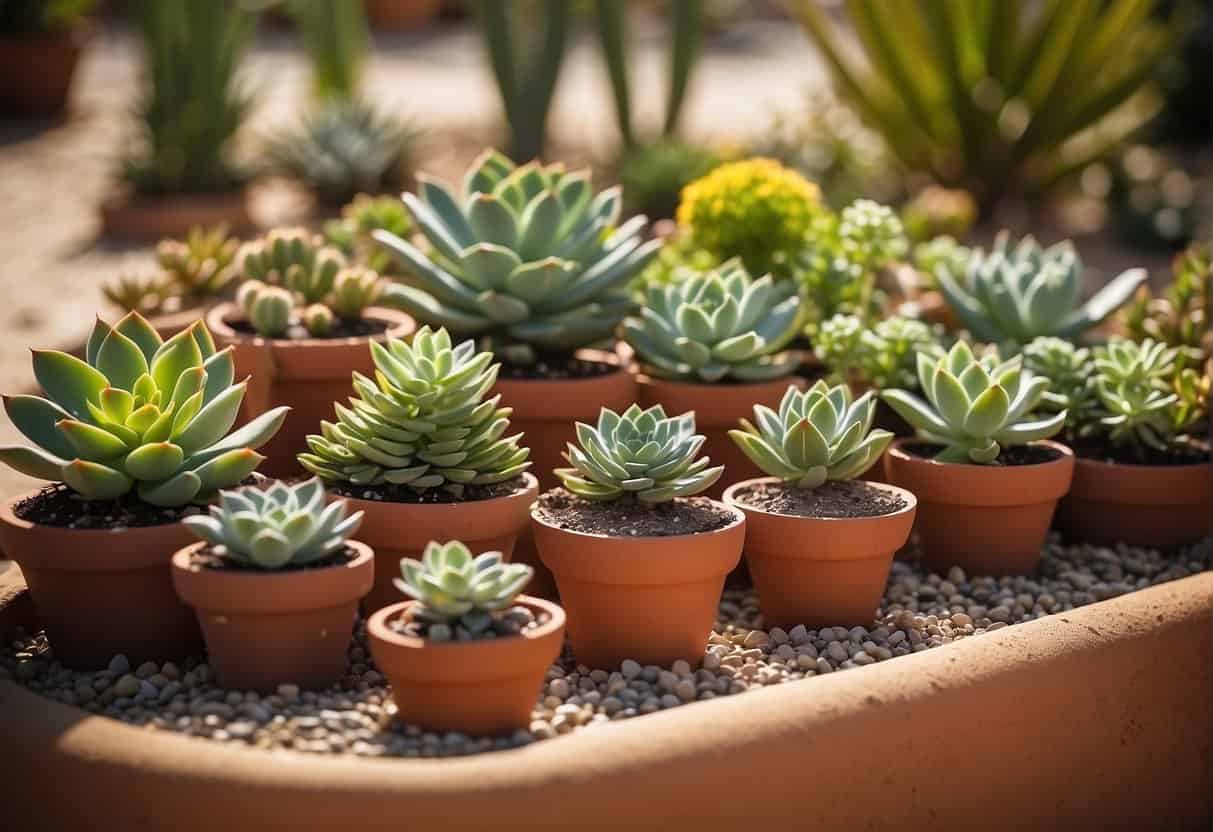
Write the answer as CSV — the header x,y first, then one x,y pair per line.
x,y
848,498
1015,455
360,328
506,624
1194,453
403,494
557,367
59,506
628,517
206,558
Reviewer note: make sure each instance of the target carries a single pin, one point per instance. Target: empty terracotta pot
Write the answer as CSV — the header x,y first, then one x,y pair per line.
x,y
271,627
399,530
307,374
487,687
821,571
718,408
36,71
651,599
100,592
1142,505
986,519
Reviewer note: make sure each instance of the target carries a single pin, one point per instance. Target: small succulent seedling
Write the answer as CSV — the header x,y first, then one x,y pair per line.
x,y
818,434
276,527
975,407
641,452
456,590
141,414
200,267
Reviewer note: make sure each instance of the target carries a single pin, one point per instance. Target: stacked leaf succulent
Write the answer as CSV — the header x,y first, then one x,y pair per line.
x,y
276,527
528,259
720,324
351,233
818,434
201,267
1072,381
138,414
458,591
642,453
1179,316
882,355
1018,292
975,407
423,422
136,293
1139,398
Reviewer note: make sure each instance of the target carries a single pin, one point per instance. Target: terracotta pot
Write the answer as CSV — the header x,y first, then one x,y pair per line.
x,y
401,15
263,629
36,72
483,688
651,599
308,374
933,308
399,530
101,592
986,519
127,213
1142,505
821,571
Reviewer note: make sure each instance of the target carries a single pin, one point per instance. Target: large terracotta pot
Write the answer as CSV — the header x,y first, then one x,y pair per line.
x,y
36,72
400,530
101,592
263,629
486,687
821,571
308,374
651,599
1142,505
986,519
718,408
127,213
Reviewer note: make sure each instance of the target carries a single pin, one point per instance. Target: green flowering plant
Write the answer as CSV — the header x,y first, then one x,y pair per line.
x,y
882,355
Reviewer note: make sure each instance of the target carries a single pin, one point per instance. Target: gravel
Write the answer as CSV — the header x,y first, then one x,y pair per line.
x,y
357,717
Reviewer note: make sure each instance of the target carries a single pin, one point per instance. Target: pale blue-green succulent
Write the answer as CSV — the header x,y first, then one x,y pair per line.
x,y
456,589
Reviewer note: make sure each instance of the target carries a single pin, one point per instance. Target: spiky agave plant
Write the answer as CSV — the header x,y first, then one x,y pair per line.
x,y
138,414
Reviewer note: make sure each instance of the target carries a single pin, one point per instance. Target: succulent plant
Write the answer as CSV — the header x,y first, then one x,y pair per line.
x,y
1179,316
423,422
1137,398
200,267
138,414
351,233
529,259
267,308
882,355
937,253
135,293
936,210
717,324
975,407
641,452
653,174
294,259
276,526
1017,293
818,434
1072,381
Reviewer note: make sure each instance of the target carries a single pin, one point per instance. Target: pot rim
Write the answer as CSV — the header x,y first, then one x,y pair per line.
x,y
8,517
738,518
377,628
907,495
399,323
1132,466
181,562
895,450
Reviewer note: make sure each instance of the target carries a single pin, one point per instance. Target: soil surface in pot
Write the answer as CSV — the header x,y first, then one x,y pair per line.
x,y
628,517
919,611
1015,455
842,499
556,366
59,506
509,622
207,558
341,329
388,493
1192,454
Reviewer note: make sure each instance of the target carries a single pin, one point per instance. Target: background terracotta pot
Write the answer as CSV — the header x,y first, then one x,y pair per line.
x,y
718,408
651,599
986,519
401,15
487,687
307,374
101,592
1142,505
821,571
127,213
399,530
36,72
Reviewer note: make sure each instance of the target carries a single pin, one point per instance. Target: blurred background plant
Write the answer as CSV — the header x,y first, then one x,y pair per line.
x,y
193,273
351,232
337,39
36,17
653,174
1177,316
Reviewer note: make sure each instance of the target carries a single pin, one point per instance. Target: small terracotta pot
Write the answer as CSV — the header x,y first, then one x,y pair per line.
x,y
487,687
101,592
308,374
263,629
986,519
127,213
400,530
36,72
821,571
1142,505
718,409
401,15
651,599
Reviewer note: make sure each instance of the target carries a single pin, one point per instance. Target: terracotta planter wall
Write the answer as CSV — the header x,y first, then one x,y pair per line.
x,y
125,213
36,73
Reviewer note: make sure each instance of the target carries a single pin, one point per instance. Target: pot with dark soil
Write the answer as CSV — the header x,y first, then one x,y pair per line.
x,y
133,434
421,452
40,44
469,653
275,584
639,559
819,541
302,323
986,482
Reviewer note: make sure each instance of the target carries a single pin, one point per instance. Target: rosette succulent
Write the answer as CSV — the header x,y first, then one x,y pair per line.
x,y
276,527
138,414
528,258
1018,292
641,452
975,407
1138,402
457,590
717,325
202,266
818,434
422,422
1072,382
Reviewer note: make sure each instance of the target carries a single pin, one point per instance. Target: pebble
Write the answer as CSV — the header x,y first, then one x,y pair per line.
x,y
119,665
